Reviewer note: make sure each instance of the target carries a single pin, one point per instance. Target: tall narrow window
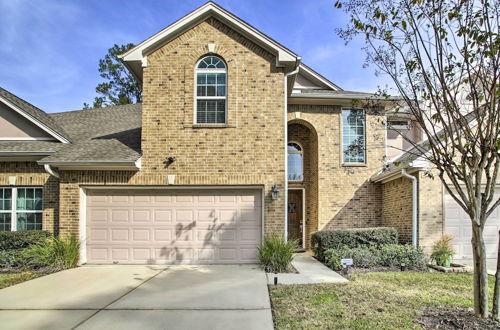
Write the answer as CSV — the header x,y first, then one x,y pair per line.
x,y
295,162
5,209
353,136
211,91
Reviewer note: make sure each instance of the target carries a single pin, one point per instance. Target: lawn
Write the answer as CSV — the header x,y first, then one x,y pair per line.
x,y
8,279
369,301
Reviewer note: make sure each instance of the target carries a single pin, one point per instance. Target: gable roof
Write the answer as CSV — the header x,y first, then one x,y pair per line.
x,y
413,158
317,78
34,115
108,136
136,58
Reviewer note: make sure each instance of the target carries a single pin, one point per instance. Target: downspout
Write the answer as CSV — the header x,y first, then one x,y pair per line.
x,y
414,206
51,171
285,121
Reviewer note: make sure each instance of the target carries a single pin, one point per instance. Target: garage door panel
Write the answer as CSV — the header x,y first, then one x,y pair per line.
x,y
120,235
141,235
163,216
458,224
228,216
119,215
184,216
207,215
98,215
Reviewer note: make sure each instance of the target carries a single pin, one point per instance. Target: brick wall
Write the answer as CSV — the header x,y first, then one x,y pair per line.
x,y
34,175
430,212
346,197
397,207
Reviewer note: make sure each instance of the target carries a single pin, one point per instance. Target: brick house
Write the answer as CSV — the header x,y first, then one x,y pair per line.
x,y
236,138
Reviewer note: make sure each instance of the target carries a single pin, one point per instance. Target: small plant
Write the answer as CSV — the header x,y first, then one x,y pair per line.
x,y
276,255
53,254
442,251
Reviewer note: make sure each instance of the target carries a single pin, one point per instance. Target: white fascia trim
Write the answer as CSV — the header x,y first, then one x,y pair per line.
x,y
139,52
88,163
26,153
309,73
339,96
415,166
28,138
33,120
138,163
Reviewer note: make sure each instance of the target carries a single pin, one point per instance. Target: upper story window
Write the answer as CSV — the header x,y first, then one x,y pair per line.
x,y
398,124
353,136
211,91
20,209
295,162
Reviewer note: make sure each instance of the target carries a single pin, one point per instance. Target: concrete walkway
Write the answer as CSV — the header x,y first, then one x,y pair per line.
x,y
491,264
311,271
140,297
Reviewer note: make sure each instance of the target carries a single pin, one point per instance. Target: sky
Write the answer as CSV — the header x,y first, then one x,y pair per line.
x,y
50,49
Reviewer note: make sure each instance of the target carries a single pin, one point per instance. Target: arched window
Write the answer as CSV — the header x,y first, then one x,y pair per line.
x,y
211,91
295,162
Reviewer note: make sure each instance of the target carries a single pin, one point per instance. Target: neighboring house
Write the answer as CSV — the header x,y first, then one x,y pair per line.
x,y
235,139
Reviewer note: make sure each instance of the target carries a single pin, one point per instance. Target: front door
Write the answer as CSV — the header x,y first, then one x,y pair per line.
x,y
295,215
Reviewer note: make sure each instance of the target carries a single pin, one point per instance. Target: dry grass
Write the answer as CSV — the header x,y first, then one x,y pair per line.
x,y
8,279
370,301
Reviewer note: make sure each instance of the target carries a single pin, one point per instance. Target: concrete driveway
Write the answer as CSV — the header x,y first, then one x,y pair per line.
x,y
147,297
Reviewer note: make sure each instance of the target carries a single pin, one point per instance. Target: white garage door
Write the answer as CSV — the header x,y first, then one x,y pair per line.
x,y
173,226
458,224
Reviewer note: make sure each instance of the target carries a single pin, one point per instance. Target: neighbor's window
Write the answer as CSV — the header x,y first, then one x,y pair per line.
x,y
20,209
211,91
353,136
295,162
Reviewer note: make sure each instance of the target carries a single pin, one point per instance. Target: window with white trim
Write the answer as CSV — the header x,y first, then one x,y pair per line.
x,y
353,136
295,162
211,91
21,208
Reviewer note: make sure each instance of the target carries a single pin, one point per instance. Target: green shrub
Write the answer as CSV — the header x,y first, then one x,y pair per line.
x,y
352,238
389,255
442,250
363,257
53,254
16,240
9,258
395,255
276,255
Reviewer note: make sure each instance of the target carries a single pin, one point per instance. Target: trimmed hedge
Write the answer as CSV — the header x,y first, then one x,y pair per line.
x,y
16,240
352,238
389,255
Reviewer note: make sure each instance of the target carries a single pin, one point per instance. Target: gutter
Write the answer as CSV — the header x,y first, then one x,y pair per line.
x,y
285,120
340,96
414,205
87,163
26,153
51,171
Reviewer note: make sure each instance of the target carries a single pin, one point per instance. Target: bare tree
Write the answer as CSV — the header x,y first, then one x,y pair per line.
x,y
443,57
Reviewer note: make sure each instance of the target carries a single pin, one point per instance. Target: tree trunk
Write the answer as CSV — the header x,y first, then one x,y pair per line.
x,y
496,295
480,272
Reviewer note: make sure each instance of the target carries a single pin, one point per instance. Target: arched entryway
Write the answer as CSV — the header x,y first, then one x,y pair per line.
x,y
302,181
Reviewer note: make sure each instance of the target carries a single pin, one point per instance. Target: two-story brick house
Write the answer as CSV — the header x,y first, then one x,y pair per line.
x,y
236,138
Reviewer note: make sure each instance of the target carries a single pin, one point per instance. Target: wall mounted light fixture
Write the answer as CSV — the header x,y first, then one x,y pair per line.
x,y
275,193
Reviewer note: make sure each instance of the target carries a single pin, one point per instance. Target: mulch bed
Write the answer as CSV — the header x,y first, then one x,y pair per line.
x,y
357,270
454,318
